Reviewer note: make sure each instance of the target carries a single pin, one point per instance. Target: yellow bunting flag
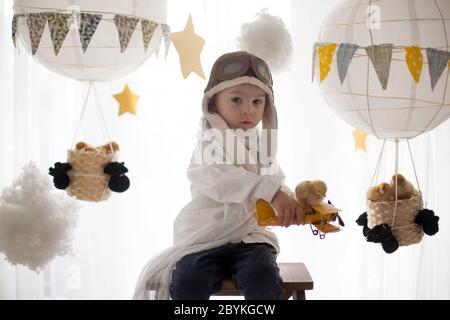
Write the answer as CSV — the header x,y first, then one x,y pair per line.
x,y
414,60
127,101
325,57
360,139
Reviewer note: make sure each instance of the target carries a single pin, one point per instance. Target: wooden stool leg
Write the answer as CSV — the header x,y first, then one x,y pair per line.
x,y
298,295
286,295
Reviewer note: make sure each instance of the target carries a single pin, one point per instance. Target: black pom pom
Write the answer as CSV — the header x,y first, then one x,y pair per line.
x,y
119,184
60,178
432,227
60,169
61,182
362,220
423,216
390,245
63,167
115,169
366,230
379,233
428,221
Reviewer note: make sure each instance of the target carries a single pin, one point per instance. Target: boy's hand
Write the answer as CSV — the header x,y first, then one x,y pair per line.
x,y
287,207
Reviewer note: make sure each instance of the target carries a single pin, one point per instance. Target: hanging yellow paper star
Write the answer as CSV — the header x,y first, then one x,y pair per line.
x,y
360,139
127,101
189,47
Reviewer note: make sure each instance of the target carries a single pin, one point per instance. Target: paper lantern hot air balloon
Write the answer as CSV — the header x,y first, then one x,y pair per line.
x,y
90,40
383,65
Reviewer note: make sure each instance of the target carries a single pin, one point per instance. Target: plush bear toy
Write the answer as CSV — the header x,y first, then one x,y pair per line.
x,y
311,192
405,189
107,147
381,192
83,146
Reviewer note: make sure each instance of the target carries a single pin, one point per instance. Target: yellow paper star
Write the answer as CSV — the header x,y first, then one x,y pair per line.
x,y
189,47
360,139
127,101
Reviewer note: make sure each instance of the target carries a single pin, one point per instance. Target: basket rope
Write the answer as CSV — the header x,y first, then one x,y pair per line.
x,y
101,117
377,172
396,183
377,168
90,182
406,231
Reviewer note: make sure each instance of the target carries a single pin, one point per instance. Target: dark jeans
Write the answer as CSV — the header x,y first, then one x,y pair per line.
x,y
252,266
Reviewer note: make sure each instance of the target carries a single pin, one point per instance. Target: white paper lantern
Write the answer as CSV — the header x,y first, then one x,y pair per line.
x,y
103,59
406,108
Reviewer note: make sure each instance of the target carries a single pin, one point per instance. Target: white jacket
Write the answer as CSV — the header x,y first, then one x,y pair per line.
x,y
227,192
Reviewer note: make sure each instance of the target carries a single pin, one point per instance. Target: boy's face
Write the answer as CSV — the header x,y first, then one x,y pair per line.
x,y
241,106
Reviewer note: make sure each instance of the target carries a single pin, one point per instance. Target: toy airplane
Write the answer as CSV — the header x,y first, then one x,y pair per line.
x,y
321,217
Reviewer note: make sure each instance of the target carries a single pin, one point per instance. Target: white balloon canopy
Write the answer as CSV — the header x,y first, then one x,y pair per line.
x,y
405,108
104,58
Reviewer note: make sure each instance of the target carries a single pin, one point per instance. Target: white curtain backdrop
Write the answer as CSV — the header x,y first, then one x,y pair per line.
x,y
39,111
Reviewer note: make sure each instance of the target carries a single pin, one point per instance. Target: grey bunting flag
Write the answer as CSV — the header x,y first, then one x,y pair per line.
x,y
125,26
437,62
88,25
58,24
166,34
148,28
36,24
314,59
345,55
14,29
381,57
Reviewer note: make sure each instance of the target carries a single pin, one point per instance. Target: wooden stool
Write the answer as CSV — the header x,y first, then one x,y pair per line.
x,y
296,279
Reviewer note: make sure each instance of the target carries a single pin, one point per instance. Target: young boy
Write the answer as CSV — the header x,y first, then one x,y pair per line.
x,y
216,234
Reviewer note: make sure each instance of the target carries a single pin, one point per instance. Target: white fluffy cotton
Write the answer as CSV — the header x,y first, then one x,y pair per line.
x,y
36,222
268,38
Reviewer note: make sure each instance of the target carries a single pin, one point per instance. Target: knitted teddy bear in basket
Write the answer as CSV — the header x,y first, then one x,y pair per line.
x,y
392,222
88,162
312,193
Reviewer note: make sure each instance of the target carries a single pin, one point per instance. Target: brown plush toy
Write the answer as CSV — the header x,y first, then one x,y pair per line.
x,y
381,192
311,192
83,146
107,147
405,189
386,191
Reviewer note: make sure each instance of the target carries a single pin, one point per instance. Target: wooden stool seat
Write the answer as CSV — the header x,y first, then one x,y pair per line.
x,y
296,279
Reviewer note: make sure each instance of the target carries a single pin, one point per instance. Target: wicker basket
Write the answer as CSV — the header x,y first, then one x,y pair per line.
x,y
404,230
87,180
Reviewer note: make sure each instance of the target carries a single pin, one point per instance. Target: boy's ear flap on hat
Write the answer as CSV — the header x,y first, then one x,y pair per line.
x,y
212,107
